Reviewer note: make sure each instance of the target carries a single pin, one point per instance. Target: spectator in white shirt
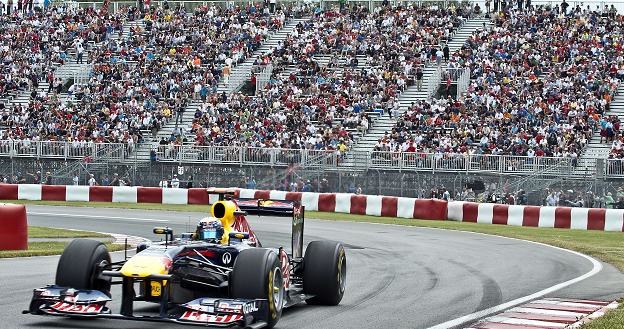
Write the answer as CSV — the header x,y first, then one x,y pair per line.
x,y
92,181
175,182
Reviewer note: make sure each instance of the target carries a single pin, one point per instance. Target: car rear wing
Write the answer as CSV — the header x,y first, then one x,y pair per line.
x,y
279,208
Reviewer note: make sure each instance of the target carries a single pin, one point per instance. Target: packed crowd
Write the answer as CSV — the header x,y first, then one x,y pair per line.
x,y
542,81
32,45
314,104
542,78
139,80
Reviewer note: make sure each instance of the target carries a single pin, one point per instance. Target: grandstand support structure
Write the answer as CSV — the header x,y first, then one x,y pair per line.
x,y
412,94
595,149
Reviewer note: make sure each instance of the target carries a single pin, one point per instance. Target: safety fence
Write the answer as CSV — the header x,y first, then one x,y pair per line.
x,y
304,158
64,150
374,205
191,4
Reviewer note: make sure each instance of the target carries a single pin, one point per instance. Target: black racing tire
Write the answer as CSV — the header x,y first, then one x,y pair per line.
x,y
79,265
324,272
257,274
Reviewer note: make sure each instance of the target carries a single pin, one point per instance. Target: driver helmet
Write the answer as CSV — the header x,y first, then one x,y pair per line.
x,y
209,229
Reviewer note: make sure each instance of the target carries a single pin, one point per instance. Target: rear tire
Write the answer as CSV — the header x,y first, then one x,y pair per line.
x,y
324,272
79,266
257,274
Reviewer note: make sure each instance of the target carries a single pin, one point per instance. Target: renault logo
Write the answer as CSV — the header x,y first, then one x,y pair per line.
x,y
226,258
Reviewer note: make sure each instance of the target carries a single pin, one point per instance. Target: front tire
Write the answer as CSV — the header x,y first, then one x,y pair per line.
x,y
80,265
257,275
325,272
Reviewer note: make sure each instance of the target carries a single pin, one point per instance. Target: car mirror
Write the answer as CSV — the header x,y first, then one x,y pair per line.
x,y
163,230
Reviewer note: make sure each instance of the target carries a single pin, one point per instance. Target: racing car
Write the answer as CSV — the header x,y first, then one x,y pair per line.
x,y
217,276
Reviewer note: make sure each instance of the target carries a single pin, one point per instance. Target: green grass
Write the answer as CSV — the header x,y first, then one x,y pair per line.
x,y
53,246
606,246
47,248
49,232
611,320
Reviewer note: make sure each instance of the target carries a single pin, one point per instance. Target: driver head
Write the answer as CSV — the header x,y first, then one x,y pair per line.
x,y
210,230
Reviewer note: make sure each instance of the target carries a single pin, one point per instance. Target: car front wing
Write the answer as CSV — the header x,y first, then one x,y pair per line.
x,y
206,312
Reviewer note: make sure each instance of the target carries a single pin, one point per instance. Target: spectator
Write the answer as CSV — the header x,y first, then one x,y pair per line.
x,y
175,182
115,180
251,183
93,182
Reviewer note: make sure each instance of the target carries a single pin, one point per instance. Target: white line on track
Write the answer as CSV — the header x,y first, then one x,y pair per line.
x,y
98,216
597,267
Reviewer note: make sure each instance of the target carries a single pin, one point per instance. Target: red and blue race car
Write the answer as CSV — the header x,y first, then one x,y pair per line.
x,y
217,276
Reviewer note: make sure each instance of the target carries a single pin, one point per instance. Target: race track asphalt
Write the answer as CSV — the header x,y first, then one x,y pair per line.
x,y
398,277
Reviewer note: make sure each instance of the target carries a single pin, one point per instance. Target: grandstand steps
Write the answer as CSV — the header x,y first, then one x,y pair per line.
x,y
24,97
71,70
595,149
324,60
241,72
385,123
149,142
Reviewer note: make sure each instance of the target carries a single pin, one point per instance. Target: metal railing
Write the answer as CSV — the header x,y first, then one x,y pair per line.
x,y
263,76
331,159
191,4
63,150
433,83
319,159
462,82
614,168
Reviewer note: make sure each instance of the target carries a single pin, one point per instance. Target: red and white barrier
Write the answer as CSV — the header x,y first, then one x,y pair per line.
x,y
534,216
375,205
125,194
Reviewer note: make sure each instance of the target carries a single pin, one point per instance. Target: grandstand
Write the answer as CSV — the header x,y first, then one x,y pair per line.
x,y
415,88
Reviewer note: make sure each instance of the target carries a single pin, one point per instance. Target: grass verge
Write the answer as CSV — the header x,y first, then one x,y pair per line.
x,y
611,320
53,246
47,248
49,232
606,246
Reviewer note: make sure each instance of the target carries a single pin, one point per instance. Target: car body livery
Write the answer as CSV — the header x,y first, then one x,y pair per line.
x,y
233,282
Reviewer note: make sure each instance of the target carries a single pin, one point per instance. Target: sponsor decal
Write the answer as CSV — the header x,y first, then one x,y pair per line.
x,y
226,258
228,307
285,268
77,308
209,318
250,307
156,289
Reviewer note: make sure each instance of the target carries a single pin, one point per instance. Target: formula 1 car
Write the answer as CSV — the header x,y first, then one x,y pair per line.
x,y
218,276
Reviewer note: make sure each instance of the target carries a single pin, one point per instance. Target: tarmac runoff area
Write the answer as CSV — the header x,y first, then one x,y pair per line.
x,y
398,277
